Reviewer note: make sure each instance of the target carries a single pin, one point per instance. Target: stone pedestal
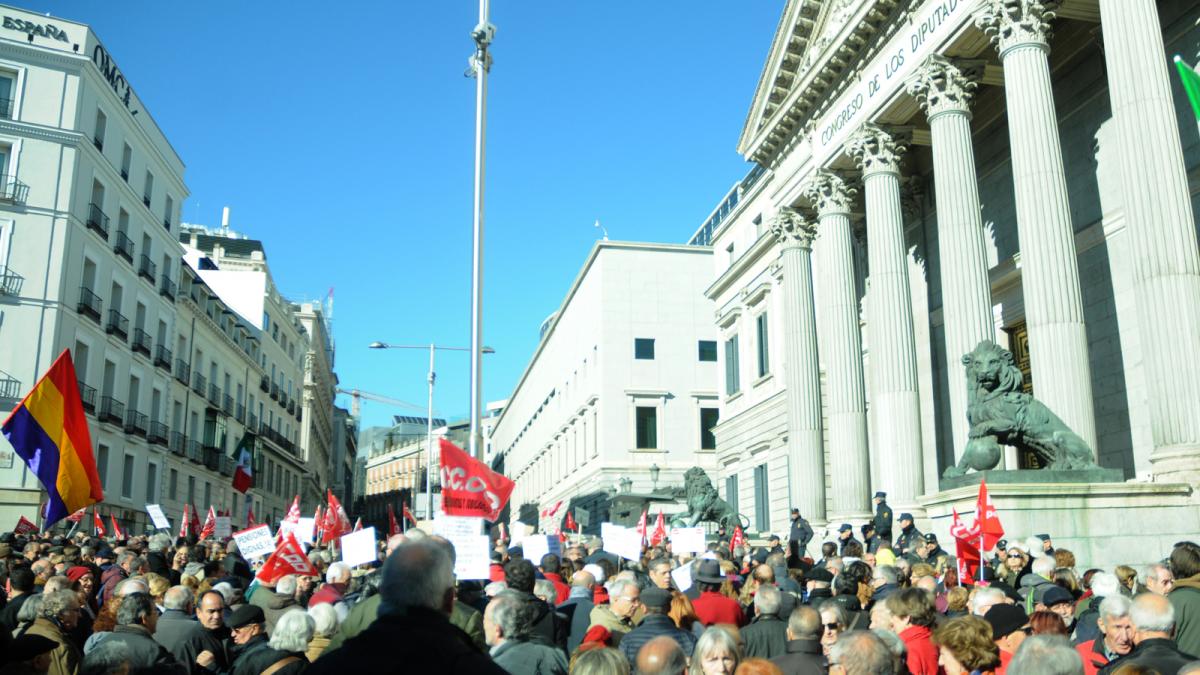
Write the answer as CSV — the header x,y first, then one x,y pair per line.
x,y
1103,524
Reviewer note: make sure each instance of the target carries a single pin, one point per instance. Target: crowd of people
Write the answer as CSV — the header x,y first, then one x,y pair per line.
x,y
880,605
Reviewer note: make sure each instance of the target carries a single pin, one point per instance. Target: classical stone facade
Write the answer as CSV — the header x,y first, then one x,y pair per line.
x,y
931,174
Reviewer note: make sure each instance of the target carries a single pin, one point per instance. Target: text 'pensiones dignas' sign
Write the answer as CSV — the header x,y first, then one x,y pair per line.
x,y
48,30
898,59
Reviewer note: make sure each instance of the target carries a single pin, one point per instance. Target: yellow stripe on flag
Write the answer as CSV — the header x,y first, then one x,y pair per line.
x,y
46,405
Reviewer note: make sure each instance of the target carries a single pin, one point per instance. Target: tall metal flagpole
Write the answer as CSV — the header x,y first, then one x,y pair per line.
x,y
481,63
429,442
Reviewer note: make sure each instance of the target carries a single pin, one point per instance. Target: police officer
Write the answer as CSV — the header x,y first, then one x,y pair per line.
x,y
798,538
934,554
910,537
870,538
883,516
845,537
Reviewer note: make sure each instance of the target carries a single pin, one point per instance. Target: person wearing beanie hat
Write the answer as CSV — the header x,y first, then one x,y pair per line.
x,y
657,603
1010,627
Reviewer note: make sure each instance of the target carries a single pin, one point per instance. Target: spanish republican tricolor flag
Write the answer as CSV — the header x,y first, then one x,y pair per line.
x,y
50,433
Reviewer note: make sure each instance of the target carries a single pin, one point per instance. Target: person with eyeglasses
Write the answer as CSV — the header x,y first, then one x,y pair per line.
x,y
833,621
1010,627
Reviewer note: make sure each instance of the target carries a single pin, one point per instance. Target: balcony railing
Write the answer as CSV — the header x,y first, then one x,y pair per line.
x,y
252,423
10,387
166,287
89,303
87,395
123,246
111,410
182,371
147,269
157,433
6,108
291,407
227,466
177,444
10,281
194,452
199,383
12,190
212,457
241,413
274,391
137,423
117,324
162,357
141,341
214,394
227,404
97,220
264,383
300,414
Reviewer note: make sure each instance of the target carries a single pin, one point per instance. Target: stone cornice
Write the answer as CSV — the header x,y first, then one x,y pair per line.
x,y
739,266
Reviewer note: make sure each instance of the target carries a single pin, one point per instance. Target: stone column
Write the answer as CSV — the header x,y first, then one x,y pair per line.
x,y
1049,267
805,447
841,347
894,396
1162,235
944,91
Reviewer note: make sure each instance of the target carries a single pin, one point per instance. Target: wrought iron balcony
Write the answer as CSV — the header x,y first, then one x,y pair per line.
x,y
89,303
166,287
87,395
6,108
177,444
157,433
10,387
227,404
212,457
291,407
141,341
264,383
241,413
147,269
123,246
97,221
10,281
162,357
214,394
299,413
199,383
12,190
227,466
182,371
252,423
137,423
194,452
117,324
274,391
112,411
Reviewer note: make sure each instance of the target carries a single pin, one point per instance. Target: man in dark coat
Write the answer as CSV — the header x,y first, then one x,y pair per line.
x,y
657,603
255,655
177,621
137,619
910,538
548,625
870,539
803,650
1153,625
204,648
22,581
412,632
798,538
883,517
766,636
578,608
846,537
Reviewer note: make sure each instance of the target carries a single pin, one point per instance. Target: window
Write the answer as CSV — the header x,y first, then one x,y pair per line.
x,y
151,483
647,427
207,493
708,350
764,361
101,127
127,478
731,491
191,490
643,348
126,161
762,503
732,385
148,193
7,87
102,465
173,484
708,420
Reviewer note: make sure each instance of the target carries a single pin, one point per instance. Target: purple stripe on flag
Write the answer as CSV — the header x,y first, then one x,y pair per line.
x,y
40,454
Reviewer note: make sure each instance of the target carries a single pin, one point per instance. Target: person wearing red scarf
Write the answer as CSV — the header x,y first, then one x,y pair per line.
x,y
913,614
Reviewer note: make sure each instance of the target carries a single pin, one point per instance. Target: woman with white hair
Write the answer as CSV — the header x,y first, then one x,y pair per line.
x,y
717,653
325,624
293,631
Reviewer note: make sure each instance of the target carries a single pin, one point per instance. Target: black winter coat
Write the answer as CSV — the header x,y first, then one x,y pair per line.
x,y
144,653
1160,654
765,637
656,625
803,657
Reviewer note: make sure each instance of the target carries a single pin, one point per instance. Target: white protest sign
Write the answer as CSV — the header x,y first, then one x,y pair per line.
x,y
303,529
255,542
683,577
158,517
224,527
537,545
624,542
452,527
472,557
359,547
608,530
687,540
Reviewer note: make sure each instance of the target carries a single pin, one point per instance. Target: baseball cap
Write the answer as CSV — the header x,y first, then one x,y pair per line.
x,y
906,516
880,495
930,538
845,527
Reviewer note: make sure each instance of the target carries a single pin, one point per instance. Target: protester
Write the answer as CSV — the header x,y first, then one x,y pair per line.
x,y
600,661
507,627
1010,627
57,613
1153,620
617,614
656,623
766,636
1046,655
325,625
27,655
913,615
1116,638
803,654
717,653
288,644
860,653
965,646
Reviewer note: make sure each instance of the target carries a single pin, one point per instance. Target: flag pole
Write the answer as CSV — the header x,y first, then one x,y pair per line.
x,y
481,63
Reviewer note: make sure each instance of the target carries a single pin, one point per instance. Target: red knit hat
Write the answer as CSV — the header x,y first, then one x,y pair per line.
x,y
598,634
77,572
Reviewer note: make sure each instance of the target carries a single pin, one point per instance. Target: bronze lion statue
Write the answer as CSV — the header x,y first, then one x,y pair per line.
x,y
1001,414
704,505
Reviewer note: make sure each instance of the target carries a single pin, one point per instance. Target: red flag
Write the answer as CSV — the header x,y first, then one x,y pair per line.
x,y
660,530
393,526
738,539
408,514
318,523
293,514
116,527
185,523
571,525
99,523
966,542
358,524
250,521
641,526
288,558
549,512
210,525
336,521
195,521
24,526
989,522
469,487
77,516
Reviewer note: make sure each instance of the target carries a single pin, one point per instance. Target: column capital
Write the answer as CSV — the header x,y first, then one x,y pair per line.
x,y
1016,23
876,150
828,193
941,85
791,228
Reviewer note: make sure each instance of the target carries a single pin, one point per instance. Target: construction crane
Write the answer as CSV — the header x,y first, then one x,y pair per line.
x,y
356,396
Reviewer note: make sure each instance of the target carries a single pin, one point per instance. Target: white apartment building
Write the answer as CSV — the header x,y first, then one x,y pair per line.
x,y
317,414
623,379
89,202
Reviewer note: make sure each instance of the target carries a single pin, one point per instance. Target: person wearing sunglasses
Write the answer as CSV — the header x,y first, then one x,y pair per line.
x,y
1010,627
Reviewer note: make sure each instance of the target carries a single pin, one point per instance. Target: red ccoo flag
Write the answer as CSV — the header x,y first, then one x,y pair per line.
x,y
116,527
738,539
210,525
660,530
336,521
641,526
571,524
195,521
393,526
78,515
99,523
470,487
25,526
288,558
966,542
185,523
989,522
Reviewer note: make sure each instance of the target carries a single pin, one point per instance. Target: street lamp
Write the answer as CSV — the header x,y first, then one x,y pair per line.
x,y
654,476
429,419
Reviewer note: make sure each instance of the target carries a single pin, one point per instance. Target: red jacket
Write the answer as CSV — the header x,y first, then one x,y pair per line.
x,y
1093,656
495,572
330,593
713,608
920,653
563,590
1005,658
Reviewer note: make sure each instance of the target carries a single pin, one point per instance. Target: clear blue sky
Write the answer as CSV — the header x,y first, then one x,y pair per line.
x,y
341,135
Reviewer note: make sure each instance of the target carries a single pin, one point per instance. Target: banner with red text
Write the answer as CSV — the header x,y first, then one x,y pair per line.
x,y
469,487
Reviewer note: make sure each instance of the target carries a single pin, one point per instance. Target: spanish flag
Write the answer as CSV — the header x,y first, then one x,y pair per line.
x,y
50,433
